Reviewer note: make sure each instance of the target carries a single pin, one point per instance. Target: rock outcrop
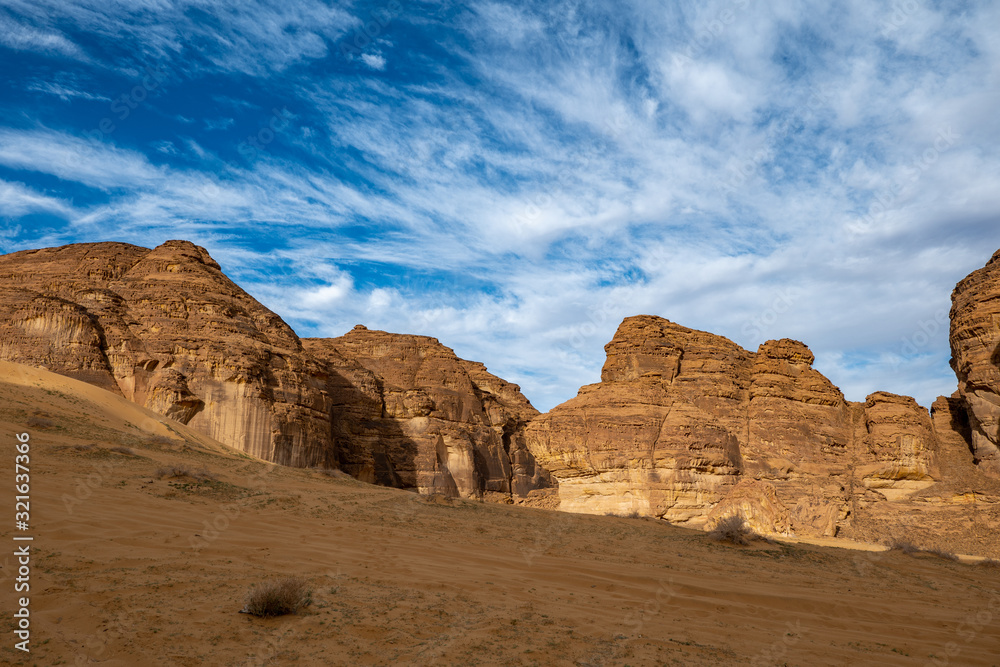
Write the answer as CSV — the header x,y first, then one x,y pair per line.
x,y
684,425
428,420
975,358
168,330
683,420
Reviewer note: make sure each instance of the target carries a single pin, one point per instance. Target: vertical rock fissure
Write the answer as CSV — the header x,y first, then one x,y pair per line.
x,y
505,436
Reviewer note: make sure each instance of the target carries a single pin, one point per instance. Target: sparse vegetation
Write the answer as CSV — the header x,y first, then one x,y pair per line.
x,y
897,544
733,529
907,547
277,598
120,449
184,471
989,562
161,442
38,421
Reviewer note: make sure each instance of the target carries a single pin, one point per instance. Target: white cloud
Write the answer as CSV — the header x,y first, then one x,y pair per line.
x,y
250,37
64,92
22,37
17,200
374,60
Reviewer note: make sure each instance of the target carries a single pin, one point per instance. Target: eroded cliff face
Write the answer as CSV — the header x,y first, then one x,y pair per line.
x,y
975,357
166,329
685,423
430,420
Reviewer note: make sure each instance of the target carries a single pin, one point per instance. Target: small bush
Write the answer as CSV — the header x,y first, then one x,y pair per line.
x,y
277,598
127,451
897,544
174,471
989,562
941,553
38,421
184,471
733,529
83,448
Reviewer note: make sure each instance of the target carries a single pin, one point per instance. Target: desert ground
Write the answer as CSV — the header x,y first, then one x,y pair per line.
x,y
147,537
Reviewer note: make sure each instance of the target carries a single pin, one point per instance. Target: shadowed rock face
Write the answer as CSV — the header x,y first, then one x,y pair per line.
x,y
683,420
431,421
975,357
166,329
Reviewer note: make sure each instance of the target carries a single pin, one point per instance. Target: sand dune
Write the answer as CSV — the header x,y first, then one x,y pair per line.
x,y
131,567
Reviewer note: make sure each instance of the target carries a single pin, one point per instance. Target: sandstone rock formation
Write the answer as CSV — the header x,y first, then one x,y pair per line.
x,y
167,329
429,420
683,418
975,350
684,425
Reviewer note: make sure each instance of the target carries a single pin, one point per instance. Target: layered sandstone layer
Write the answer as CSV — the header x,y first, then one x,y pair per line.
x,y
975,351
168,330
683,420
417,416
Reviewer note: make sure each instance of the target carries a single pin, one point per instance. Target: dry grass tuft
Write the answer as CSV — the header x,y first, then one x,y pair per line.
x,y
906,547
277,598
732,529
909,548
38,421
184,471
989,562
127,451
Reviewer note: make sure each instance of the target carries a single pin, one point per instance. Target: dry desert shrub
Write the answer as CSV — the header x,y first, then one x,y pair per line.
x,y
38,421
184,471
277,598
906,547
989,562
127,451
732,528
941,553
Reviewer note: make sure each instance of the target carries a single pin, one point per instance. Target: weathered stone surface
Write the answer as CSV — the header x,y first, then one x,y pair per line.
x,y
166,329
430,421
642,440
975,357
758,503
684,420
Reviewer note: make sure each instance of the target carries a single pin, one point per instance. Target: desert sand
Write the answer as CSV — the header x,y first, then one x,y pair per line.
x,y
131,566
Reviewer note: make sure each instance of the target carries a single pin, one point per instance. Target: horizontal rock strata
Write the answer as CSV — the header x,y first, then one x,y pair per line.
x,y
682,419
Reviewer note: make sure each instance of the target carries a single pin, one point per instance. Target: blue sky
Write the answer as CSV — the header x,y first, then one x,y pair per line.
x,y
515,178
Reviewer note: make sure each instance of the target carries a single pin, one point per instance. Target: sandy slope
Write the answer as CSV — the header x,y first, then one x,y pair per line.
x,y
133,569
